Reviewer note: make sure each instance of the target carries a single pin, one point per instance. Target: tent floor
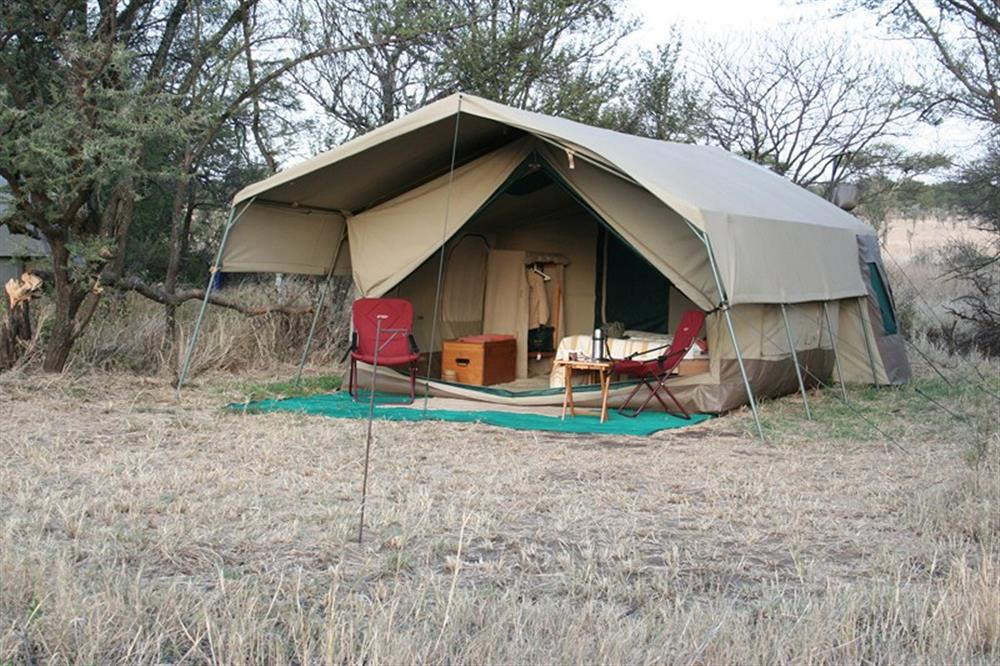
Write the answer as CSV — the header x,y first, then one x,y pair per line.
x,y
544,418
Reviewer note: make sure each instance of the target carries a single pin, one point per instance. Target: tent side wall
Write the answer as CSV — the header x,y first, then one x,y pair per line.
x,y
889,342
870,330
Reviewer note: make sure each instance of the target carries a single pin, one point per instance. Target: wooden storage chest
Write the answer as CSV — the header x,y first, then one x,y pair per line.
x,y
481,360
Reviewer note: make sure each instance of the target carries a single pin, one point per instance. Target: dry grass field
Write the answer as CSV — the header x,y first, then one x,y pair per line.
x,y
910,238
142,529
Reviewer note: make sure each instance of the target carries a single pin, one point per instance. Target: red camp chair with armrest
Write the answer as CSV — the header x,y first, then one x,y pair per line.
x,y
392,319
655,373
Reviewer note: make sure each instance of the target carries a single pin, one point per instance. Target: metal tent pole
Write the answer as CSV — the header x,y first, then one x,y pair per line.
x,y
724,306
233,219
836,356
795,360
743,370
868,342
444,241
319,305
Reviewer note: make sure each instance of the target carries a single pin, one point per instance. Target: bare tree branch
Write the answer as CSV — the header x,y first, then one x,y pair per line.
x,y
160,295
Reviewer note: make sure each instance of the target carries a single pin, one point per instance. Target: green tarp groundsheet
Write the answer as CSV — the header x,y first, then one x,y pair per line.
x,y
340,405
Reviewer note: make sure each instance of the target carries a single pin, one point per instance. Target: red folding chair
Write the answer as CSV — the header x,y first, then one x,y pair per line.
x,y
654,374
392,319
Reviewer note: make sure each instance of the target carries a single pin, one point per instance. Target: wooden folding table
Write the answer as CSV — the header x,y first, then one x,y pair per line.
x,y
603,371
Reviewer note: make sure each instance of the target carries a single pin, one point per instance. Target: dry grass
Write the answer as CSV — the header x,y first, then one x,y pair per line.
x,y
138,528
128,333
908,238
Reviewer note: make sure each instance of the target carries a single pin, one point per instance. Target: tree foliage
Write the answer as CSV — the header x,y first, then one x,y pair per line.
x,y
105,107
964,36
659,101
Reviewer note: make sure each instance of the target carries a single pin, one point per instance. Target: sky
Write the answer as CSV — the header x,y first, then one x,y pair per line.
x,y
701,20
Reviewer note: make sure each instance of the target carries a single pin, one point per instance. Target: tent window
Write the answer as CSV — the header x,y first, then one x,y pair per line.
x,y
884,303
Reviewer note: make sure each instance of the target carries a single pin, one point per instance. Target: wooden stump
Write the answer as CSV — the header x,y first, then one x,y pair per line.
x,y
15,327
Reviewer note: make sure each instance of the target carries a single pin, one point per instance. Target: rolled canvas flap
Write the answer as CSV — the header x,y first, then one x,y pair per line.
x,y
281,239
769,261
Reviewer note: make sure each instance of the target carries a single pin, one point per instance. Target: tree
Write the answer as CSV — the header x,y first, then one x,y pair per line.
x,y
658,100
812,111
977,266
106,105
885,171
551,56
373,86
964,38
73,124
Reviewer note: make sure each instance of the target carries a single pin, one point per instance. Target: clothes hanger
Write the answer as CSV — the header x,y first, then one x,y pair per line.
x,y
536,269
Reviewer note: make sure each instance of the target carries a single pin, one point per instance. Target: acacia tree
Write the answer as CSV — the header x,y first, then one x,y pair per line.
x,y
964,39
103,104
552,56
812,111
659,101
73,125
373,86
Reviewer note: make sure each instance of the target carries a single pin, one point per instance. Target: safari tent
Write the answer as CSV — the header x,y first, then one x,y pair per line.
x,y
450,205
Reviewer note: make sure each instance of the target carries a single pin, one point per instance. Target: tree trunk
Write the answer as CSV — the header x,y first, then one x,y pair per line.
x,y
13,332
67,300
180,222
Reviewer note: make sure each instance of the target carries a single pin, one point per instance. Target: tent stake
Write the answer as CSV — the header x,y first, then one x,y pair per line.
x,y
371,418
724,306
868,342
319,306
836,356
233,219
795,360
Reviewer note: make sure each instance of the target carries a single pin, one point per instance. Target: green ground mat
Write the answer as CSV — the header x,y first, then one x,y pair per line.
x,y
340,405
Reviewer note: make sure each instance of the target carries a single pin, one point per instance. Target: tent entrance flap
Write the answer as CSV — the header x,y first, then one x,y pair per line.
x,y
390,241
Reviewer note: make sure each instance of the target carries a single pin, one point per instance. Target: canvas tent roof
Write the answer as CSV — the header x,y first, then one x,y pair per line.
x,y
773,241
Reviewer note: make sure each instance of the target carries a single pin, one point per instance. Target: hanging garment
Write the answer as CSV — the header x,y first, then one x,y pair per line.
x,y
538,300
